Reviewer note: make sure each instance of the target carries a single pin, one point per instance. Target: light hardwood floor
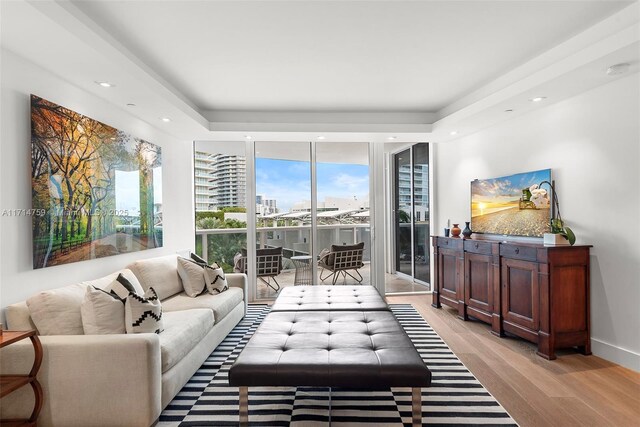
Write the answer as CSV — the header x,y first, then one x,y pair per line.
x,y
573,390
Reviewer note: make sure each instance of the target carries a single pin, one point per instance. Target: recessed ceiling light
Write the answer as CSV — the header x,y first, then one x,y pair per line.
x,y
247,137
391,138
618,69
165,119
538,99
321,137
104,84
453,132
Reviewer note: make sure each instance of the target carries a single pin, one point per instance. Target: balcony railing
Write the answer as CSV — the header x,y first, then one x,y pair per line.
x,y
220,245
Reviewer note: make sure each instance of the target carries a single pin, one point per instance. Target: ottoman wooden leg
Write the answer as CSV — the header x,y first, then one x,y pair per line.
x,y
244,406
416,406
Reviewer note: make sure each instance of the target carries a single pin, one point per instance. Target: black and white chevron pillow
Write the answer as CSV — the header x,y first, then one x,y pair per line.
x,y
121,287
215,279
143,314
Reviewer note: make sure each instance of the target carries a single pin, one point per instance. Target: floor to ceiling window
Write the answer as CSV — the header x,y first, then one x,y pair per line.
x,y
220,202
411,215
343,212
283,233
312,212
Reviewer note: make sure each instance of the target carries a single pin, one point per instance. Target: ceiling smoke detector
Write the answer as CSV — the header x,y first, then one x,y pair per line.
x,y
618,69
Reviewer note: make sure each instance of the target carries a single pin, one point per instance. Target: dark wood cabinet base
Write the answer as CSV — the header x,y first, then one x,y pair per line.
x,y
535,292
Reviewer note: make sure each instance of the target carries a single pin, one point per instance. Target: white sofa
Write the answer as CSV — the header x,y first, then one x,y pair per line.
x,y
124,379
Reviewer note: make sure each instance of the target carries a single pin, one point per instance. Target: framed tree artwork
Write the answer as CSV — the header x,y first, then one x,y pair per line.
x,y
96,190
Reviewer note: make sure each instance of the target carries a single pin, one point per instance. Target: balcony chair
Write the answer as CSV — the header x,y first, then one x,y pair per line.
x,y
268,265
340,260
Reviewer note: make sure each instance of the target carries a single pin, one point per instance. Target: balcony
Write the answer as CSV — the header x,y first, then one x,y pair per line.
x,y
220,245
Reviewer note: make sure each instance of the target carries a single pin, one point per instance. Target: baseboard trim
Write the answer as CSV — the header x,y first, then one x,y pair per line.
x,y
621,356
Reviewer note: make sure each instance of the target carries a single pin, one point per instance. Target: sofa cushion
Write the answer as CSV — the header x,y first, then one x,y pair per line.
x,y
18,317
192,276
159,272
183,330
102,313
106,281
221,304
57,311
143,314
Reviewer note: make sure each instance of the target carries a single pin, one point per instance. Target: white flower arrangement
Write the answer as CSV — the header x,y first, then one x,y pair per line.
x,y
539,197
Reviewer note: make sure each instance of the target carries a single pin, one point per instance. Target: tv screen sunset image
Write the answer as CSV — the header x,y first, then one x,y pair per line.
x,y
512,205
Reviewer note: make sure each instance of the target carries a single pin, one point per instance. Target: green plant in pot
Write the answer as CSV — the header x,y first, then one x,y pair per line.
x,y
557,224
558,227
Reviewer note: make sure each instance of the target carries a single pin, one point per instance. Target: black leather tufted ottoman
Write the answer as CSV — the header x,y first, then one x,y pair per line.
x,y
359,349
329,298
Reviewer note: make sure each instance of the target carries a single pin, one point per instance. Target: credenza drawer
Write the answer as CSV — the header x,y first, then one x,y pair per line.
x,y
476,247
527,253
450,243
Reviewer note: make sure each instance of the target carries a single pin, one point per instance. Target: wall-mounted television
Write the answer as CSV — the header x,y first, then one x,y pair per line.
x,y
513,205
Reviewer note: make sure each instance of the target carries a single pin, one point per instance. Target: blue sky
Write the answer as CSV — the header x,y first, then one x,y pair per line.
x,y
508,187
128,190
289,181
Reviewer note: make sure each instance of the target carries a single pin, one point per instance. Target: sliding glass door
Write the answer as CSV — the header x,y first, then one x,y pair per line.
x,y
343,212
420,204
301,201
411,214
283,211
403,212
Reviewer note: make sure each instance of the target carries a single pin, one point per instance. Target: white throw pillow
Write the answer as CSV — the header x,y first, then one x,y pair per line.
x,y
215,279
102,313
192,276
143,314
57,311
159,272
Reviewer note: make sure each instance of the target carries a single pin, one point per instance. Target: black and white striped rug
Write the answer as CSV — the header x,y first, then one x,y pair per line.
x,y
455,397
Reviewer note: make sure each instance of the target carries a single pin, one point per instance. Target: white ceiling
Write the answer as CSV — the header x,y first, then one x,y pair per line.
x,y
338,55
347,70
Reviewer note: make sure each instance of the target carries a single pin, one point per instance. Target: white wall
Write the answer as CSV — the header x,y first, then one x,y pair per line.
x,y
18,280
592,144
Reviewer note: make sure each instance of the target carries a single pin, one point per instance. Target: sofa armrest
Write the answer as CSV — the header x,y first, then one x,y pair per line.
x,y
239,280
89,380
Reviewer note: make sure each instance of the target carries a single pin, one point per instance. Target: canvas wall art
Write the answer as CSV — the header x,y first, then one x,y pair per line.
x,y
96,190
512,205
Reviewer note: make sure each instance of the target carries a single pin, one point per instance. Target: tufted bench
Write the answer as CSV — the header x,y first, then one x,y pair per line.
x,y
353,349
329,298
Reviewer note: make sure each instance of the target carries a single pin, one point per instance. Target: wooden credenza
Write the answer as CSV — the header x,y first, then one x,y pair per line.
x,y
539,293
